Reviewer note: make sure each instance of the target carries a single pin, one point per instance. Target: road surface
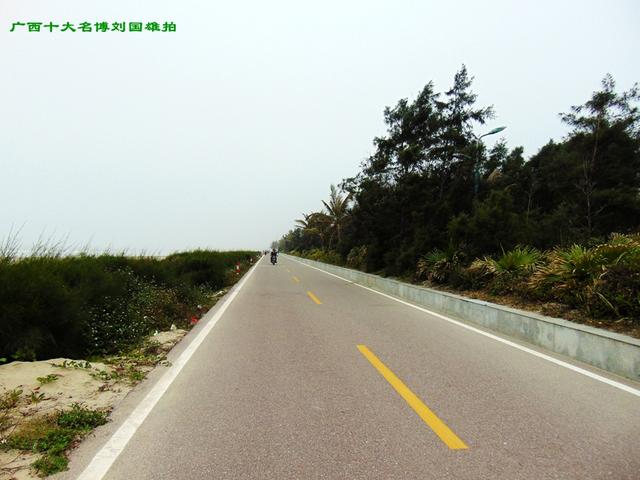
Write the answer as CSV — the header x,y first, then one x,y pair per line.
x,y
309,376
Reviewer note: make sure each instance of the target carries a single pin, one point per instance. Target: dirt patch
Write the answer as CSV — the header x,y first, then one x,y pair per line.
x,y
37,389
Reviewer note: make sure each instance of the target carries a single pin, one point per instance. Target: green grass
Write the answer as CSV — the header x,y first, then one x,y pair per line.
x,y
53,435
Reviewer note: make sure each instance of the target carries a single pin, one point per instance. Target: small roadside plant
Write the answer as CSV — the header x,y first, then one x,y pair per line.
x,y
8,400
439,266
36,397
52,436
52,377
604,280
77,364
81,419
509,272
357,257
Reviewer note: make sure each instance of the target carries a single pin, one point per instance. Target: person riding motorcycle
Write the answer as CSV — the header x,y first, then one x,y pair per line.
x,y
274,256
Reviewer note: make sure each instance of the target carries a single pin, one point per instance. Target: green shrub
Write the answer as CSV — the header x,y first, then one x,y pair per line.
x,y
617,290
50,464
326,256
518,261
332,257
80,418
604,280
357,257
510,271
41,436
53,306
480,273
439,266
567,275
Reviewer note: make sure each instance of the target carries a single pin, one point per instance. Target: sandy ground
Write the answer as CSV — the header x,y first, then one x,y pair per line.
x,y
76,381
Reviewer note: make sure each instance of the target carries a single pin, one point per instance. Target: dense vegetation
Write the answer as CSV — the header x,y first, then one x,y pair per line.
x,y
53,305
431,202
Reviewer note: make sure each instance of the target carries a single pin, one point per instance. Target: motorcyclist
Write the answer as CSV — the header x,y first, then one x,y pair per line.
x,y
274,255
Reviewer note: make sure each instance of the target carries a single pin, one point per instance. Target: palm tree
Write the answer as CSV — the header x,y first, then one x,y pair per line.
x,y
338,212
303,222
315,224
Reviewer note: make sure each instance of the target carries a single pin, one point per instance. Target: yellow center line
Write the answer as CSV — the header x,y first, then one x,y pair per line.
x,y
296,279
431,419
314,298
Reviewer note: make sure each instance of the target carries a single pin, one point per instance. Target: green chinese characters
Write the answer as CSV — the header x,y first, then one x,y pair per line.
x,y
96,27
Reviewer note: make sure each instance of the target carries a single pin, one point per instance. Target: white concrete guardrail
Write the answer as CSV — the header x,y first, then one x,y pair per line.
x,y
619,354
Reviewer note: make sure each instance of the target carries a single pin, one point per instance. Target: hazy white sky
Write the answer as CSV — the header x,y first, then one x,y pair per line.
x,y
220,134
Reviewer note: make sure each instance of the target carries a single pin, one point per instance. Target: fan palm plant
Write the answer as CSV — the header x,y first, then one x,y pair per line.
x,y
508,272
438,265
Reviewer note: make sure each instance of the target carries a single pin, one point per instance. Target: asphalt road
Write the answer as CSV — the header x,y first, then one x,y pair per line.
x,y
309,376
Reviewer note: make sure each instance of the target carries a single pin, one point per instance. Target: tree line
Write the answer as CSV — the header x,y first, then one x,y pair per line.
x,y
431,184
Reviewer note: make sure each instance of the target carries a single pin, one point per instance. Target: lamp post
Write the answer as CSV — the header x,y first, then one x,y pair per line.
x,y
477,159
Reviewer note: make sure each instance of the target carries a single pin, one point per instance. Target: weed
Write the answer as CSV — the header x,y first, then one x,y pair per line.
x,y
77,364
135,375
50,464
80,418
10,399
36,398
52,377
53,435
104,376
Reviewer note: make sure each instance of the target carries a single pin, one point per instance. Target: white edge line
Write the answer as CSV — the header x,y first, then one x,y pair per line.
x,y
582,371
103,460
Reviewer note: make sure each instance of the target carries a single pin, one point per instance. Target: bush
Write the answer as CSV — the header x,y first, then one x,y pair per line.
x,y
517,262
357,257
326,256
80,418
509,272
439,266
567,275
604,279
53,306
617,290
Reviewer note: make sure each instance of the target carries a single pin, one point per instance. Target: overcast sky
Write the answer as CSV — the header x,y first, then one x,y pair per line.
x,y
220,134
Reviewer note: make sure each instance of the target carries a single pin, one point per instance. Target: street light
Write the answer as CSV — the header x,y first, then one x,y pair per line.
x,y
495,130
477,161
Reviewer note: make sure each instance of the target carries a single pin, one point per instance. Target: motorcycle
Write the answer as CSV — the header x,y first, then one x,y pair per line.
x,y
274,259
